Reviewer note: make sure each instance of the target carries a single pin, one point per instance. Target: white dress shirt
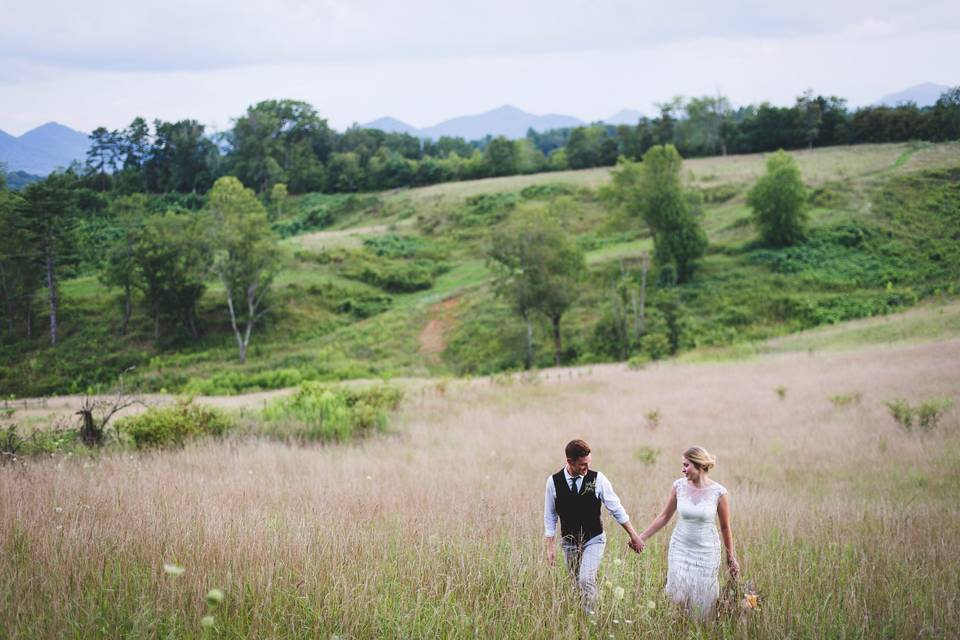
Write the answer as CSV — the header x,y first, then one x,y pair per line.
x,y
605,494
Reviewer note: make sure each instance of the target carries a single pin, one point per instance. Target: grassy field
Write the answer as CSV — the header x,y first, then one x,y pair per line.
x,y
847,525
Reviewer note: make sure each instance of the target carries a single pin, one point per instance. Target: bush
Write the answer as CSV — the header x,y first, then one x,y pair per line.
x,y
173,425
231,383
655,345
324,413
926,415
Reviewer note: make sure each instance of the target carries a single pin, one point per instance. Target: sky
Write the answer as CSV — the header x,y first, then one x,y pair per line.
x,y
422,61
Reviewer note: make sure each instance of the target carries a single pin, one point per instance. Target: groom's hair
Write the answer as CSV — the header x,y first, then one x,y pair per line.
x,y
577,449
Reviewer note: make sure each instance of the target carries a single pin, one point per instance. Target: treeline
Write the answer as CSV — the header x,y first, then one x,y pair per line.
x,y
158,251
287,142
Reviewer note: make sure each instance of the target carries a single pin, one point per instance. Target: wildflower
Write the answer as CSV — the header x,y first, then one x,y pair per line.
x,y
369,477
59,509
617,561
618,593
608,584
214,596
750,601
207,621
173,569
628,621
651,604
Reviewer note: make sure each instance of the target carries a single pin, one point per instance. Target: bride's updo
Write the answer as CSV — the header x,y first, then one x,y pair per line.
x,y
700,457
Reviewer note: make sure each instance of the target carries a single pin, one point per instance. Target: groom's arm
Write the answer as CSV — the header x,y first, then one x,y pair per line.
x,y
550,520
612,502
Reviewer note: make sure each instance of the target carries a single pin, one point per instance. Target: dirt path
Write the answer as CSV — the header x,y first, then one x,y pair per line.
x,y
433,337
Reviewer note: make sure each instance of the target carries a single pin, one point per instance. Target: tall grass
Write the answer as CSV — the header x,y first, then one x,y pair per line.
x,y
848,526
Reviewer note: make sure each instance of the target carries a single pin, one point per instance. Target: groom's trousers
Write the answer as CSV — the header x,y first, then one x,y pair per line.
x,y
583,562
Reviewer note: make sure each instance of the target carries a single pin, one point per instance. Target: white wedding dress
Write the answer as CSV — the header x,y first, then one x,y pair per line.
x,y
694,556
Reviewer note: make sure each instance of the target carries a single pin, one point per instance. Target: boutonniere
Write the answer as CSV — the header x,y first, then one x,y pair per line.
x,y
590,487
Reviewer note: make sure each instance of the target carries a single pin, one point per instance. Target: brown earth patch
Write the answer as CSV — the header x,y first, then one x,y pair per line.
x,y
433,337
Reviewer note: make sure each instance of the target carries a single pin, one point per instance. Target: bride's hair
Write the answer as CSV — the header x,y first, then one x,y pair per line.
x,y
700,457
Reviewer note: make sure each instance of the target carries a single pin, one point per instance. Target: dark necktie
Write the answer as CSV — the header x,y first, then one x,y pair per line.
x,y
573,485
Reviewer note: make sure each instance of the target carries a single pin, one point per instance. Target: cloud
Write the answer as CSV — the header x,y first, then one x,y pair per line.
x,y
173,35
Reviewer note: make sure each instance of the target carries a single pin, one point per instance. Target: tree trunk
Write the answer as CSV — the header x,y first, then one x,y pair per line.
x,y
192,321
127,309
528,358
8,299
52,289
641,324
556,340
241,344
90,435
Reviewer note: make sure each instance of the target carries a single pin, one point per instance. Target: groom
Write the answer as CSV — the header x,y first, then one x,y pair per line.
x,y
574,494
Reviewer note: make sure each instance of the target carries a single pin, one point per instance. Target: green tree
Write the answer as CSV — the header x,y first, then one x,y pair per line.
x,y
278,198
653,192
246,254
120,267
49,217
537,266
778,201
281,140
172,259
19,276
810,114
500,157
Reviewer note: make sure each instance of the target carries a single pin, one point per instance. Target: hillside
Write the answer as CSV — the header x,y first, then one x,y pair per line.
x,y
395,283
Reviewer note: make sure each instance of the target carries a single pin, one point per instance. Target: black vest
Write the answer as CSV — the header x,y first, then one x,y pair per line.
x,y
579,513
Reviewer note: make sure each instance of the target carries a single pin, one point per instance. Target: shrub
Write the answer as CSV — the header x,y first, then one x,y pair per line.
x,y
646,455
846,399
173,425
323,413
925,415
655,345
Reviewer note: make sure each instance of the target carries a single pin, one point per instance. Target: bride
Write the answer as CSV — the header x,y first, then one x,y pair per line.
x,y
694,555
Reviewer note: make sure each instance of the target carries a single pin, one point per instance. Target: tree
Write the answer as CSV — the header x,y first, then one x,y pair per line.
x,y
652,191
500,157
172,260
281,141
278,197
120,268
778,202
537,268
49,218
246,254
19,275
810,115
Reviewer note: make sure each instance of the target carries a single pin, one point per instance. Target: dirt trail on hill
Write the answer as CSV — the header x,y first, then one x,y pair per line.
x,y
433,337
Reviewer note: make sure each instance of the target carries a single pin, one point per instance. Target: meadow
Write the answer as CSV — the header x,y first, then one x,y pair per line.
x,y
395,283
847,524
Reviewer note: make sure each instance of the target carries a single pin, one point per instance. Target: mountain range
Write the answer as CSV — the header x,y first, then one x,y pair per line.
x,y
503,121
923,95
41,150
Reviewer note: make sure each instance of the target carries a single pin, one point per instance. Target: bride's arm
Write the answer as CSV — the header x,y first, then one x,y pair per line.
x,y
723,511
661,520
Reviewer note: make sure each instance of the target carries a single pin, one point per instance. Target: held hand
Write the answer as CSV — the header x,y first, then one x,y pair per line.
x,y
551,554
636,543
733,567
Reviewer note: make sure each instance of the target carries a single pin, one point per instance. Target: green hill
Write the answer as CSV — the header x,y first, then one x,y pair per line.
x,y
395,283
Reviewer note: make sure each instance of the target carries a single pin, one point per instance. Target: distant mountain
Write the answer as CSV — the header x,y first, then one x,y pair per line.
x,y
41,150
624,116
504,121
924,95
391,125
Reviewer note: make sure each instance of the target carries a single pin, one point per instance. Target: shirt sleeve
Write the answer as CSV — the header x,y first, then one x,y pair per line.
x,y
550,509
610,500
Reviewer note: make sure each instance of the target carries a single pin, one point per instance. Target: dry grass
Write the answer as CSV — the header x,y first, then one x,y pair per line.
x,y
849,527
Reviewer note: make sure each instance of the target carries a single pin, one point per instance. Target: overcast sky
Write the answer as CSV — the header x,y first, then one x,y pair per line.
x,y
422,61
